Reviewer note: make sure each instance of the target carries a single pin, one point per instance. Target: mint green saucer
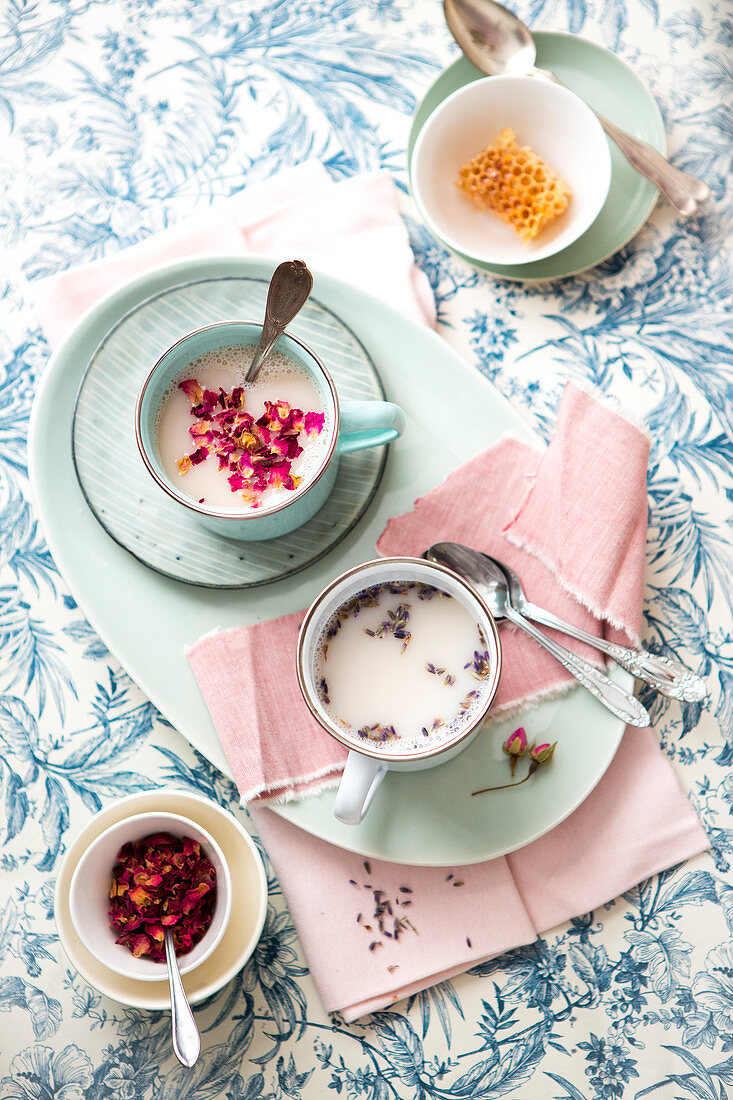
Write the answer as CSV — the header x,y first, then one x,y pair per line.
x,y
607,84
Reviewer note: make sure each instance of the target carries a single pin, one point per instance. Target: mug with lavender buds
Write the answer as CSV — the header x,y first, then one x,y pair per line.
x,y
250,461
399,660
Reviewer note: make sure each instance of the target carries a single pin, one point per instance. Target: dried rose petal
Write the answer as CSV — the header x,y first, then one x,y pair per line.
x,y
201,427
159,882
313,423
192,390
139,897
236,481
199,455
257,454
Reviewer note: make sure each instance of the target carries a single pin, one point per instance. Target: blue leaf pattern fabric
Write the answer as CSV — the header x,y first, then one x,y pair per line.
x,y
118,118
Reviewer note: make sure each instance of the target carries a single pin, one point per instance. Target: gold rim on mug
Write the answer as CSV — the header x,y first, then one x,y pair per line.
x,y
330,727
189,502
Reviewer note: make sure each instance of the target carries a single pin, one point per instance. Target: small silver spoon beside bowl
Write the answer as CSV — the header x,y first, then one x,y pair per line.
x,y
498,43
184,1032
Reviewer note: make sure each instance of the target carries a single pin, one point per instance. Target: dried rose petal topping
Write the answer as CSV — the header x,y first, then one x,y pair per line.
x,y
160,882
313,423
202,427
199,455
255,454
192,390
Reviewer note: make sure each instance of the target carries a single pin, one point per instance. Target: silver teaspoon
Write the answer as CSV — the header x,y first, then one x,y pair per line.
x,y
185,1034
498,42
290,286
668,677
493,586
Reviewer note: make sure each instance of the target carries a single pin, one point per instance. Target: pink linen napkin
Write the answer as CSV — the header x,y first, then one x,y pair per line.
x,y
300,210
275,750
636,823
613,473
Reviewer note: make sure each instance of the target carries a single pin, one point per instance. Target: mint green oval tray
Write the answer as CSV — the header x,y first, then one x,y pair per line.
x,y
609,86
147,620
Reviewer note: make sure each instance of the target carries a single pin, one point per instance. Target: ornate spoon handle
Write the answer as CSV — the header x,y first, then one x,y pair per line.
x,y
685,192
618,701
185,1034
668,677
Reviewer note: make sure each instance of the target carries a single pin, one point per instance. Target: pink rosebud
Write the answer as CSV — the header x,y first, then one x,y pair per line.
x,y
516,743
543,754
515,746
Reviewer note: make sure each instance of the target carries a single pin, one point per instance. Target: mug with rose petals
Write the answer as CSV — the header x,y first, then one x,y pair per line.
x,y
250,461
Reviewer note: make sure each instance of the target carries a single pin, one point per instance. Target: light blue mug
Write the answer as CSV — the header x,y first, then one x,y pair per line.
x,y
355,425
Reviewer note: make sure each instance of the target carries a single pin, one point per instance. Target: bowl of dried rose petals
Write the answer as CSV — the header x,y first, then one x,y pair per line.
x,y
140,876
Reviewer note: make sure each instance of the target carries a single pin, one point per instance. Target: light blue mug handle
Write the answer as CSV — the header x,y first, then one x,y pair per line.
x,y
368,424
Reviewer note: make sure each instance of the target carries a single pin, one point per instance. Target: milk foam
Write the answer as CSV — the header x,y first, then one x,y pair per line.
x,y
280,379
365,680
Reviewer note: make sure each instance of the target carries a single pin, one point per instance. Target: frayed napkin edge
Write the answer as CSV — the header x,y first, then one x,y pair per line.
x,y
264,794
603,615
612,403
515,710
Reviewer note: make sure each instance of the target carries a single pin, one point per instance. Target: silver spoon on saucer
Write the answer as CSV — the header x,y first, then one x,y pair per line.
x,y
493,586
498,43
184,1032
668,677
290,286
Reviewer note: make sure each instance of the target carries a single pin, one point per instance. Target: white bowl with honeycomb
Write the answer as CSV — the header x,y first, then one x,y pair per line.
x,y
510,169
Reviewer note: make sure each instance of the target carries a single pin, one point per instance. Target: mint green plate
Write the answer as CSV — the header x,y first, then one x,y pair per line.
x,y
147,620
608,85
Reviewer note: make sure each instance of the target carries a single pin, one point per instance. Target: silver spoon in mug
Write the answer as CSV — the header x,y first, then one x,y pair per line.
x,y
668,677
290,286
184,1032
493,586
498,43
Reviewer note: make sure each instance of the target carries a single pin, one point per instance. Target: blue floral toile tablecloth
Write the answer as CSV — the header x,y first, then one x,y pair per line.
x,y
119,117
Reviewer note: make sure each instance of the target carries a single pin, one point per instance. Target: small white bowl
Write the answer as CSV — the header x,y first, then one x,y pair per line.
x,y
89,895
558,125
249,900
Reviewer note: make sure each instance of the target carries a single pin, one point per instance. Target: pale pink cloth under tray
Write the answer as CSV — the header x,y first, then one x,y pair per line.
x,y
635,823
299,213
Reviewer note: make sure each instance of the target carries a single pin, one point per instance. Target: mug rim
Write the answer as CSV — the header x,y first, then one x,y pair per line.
x,y
215,513
331,728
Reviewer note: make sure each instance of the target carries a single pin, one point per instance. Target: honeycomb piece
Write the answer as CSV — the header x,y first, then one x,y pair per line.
x,y
516,184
